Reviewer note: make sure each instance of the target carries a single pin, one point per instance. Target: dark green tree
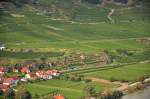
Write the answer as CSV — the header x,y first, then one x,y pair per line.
x,y
26,95
10,94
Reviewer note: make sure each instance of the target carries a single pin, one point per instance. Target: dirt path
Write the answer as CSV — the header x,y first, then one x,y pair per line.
x,y
99,80
120,86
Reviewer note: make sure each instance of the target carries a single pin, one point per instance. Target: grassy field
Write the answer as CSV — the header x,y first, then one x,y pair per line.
x,y
35,30
123,73
28,55
72,90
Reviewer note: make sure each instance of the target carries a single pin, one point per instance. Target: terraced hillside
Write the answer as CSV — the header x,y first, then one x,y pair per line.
x,y
48,32
68,25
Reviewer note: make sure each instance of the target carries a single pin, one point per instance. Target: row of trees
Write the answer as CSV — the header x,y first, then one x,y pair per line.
x,y
91,92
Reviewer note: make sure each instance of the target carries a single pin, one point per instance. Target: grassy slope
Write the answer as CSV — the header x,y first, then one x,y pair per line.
x,y
40,31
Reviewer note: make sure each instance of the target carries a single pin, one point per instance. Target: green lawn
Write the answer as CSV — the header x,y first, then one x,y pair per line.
x,y
72,90
127,73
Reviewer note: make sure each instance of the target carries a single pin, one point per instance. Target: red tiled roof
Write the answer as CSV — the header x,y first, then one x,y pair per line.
x,y
49,72
32,74
2,69
25,70
3,87
7,80
16,78
52,71
40,72
59,97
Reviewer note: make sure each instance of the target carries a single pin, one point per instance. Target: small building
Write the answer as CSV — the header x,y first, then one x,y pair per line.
x,y
25,70
4,88
39,73
58,97
2,70
53,72
31,76
43,75
11,81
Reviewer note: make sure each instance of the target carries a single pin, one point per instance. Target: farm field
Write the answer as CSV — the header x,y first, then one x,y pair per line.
x,y
41,31
129,73
71,89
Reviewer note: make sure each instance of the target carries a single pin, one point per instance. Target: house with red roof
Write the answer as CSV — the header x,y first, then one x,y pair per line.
x,y
3,88
11,81
2,70
40,73
43,75
25,69
59,97
53,72
31,76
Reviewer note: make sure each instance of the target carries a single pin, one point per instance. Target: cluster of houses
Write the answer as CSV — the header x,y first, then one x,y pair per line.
x,y
9,82
41,74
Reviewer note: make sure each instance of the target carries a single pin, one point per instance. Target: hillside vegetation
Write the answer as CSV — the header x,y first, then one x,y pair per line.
x,y
99,39
73,25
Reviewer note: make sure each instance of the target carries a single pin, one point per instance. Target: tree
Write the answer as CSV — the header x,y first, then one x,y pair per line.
x,y
36,96
26,95
20,91
10,94
111,94
43,59
90,91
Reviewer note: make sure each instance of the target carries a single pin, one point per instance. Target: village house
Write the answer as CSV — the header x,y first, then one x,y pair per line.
x,y
25,70
58,97
31,76
53,72
2,70
3,88
11,81
43,75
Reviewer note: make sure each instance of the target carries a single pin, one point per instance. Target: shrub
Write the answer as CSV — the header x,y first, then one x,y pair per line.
x,y
112,79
